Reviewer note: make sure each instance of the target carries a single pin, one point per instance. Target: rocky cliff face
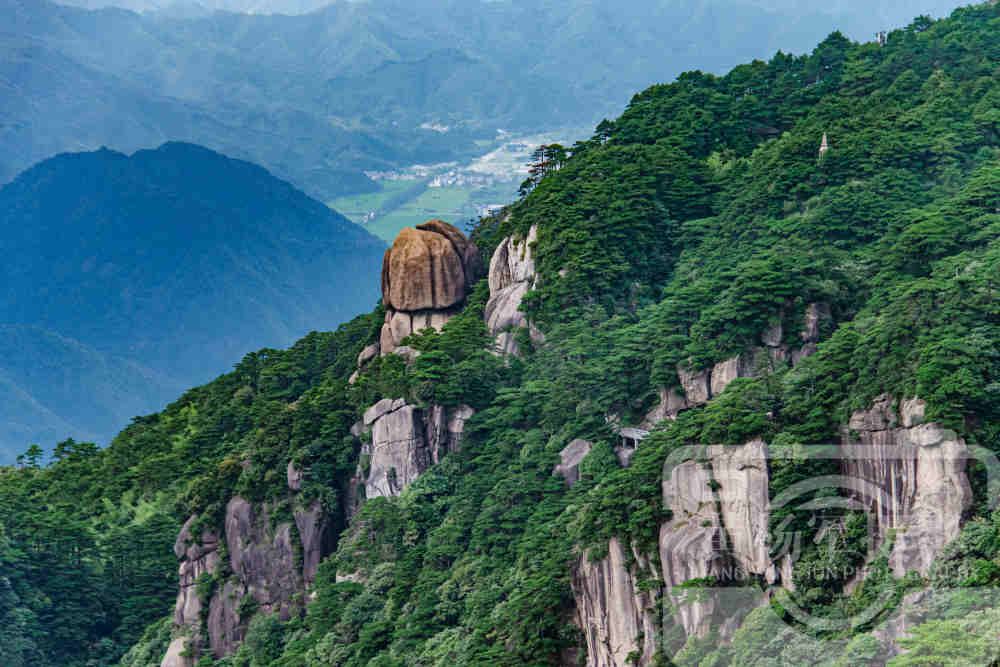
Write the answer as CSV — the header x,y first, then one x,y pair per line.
x,y
718,528
912,477
697,387
909,474
617,620
426,276
511,276
257,566
405,441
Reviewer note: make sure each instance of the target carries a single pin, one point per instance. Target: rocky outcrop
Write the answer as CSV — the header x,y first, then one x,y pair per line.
x,y
405,441
511,276
718,528
426,276
198,557
175,654
617,620
740,474
691,543
262,568
570,458
697,387
912,477
399,451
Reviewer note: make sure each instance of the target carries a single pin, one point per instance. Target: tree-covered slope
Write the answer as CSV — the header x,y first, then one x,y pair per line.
x,y
679,234
128,278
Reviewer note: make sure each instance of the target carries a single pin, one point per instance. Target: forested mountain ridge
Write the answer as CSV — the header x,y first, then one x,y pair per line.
x,y
318,99
128,278
699,268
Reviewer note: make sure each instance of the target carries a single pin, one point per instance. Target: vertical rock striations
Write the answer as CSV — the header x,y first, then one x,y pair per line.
x,y
912,477
258,565
405,441
511,276
617,620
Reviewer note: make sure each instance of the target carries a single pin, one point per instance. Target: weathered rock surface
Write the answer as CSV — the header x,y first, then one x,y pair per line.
x,y
173,657
911,475
197,557
720,512
724,372
422,271
700,386
741,473
513,261
691,543
511,276
293,476
570,458
406,441
367,354
399,452
426,275
444,427
400,324
263,564
407,353
616,620
466,249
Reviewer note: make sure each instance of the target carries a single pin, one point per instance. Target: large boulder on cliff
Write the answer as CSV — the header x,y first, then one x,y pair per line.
x,y
426,275
428,268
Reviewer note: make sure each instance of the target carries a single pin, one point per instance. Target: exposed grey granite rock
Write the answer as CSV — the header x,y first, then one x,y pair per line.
x,y
742,479
173,657
513,261
773,335
262,560
691,543
380,408
407,353
407,440
502,309
198,557
816,314
616,619
700,386
511,276
720,512
400,324
912,476
293,477
315,536
570,458
724,372
367,354
399,452
696,385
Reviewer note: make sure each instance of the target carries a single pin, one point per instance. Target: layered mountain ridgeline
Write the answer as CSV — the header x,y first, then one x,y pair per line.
x,y
128,278
602,451
356,86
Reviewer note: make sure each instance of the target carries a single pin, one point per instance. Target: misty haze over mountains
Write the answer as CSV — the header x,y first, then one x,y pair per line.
x,y
320,98
317,99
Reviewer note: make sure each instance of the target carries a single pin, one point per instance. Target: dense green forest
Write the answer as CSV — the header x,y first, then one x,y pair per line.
x,y
676,234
